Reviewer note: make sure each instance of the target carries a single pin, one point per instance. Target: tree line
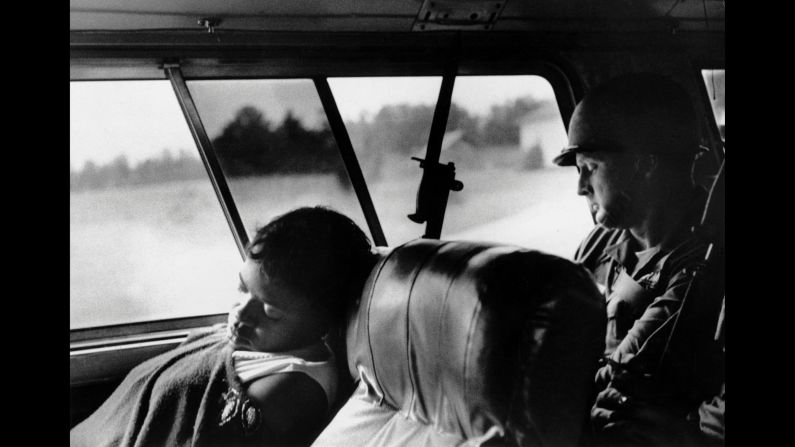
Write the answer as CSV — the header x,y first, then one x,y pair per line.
x,y
119,172
402,128
250,144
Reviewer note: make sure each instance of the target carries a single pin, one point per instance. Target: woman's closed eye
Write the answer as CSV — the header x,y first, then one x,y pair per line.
x,y
273,312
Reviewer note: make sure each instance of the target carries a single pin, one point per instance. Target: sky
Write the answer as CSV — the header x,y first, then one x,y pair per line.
x,y
138,119
142,118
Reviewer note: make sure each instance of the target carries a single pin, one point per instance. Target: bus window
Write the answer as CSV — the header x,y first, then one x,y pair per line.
x,y
502,134
275,147
389,121
148,239
715,81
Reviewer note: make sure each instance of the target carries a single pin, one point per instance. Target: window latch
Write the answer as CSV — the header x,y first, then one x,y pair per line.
x,y
435,186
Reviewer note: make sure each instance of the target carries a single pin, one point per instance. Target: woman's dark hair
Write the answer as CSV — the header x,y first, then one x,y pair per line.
x,y
316,252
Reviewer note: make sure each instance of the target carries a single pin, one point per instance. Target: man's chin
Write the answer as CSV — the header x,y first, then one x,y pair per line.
x,y
607,220
602,218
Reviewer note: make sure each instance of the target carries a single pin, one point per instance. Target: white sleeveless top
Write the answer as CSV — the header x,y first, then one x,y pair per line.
x,y
250,365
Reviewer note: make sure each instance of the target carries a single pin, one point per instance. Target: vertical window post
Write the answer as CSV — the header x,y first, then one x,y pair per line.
x,y
349,160
437,179
208,157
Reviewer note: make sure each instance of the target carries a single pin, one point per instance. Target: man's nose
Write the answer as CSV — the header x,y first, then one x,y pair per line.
x,y
583,186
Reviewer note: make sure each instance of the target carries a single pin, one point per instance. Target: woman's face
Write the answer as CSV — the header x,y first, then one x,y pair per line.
x,y
270,317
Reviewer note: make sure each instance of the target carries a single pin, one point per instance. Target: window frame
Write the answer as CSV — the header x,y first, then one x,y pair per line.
x,y
109,335
708,129
716,143
110,62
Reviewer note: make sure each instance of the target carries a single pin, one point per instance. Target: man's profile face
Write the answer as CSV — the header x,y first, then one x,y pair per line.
x,y
607,173
604,179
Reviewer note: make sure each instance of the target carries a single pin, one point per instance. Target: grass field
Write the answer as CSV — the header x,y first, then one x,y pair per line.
x,y
164,251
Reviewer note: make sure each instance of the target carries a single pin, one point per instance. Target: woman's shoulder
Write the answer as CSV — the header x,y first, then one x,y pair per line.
x,y
288,399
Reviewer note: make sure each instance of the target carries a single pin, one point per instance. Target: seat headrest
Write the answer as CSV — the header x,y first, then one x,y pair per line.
x,y
479,339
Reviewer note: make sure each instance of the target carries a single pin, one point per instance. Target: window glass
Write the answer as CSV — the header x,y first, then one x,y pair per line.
x,y
389,121
275,147
715,81
148,239
502,134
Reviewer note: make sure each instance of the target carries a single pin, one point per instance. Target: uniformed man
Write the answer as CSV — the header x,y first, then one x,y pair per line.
x,y
634,140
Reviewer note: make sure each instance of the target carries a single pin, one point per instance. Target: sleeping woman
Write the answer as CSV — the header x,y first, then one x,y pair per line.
x,y
266,377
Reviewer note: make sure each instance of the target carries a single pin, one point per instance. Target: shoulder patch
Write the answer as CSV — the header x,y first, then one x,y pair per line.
x,y
650,280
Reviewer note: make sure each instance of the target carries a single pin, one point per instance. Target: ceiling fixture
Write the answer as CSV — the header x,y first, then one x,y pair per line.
x,y
209,23
445,15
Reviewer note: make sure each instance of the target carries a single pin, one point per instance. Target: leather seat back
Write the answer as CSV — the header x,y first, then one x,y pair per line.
x,y
466,343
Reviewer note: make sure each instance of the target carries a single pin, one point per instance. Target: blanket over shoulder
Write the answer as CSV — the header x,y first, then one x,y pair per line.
x,y
179,398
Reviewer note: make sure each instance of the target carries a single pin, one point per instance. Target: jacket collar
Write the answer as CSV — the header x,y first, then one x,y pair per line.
x,y
621,252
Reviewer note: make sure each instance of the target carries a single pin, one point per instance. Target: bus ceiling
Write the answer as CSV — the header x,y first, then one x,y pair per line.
x,y
319,38
397,16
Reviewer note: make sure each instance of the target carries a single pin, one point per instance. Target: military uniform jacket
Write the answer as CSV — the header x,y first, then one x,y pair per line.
x,y
643,292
